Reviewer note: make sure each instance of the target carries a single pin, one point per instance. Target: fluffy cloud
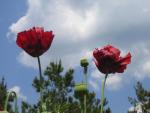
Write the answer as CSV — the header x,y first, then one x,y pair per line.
x,y
17,90
114,82
80,26
139,68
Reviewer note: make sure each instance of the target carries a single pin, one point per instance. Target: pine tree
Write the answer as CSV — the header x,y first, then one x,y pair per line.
x,y
142,97
93,103
3,94
58,93
57,90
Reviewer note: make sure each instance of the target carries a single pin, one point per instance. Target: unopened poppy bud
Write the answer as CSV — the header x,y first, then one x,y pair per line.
x,y
84,62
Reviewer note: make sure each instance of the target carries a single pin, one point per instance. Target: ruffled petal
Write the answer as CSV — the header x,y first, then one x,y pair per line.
x,y
125,60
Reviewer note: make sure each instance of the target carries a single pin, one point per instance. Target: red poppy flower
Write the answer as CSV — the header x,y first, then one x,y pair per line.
x,y
35,41
108,60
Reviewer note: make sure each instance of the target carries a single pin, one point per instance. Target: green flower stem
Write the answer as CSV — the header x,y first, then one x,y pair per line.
x,y
58,109
16,107
6,102
85,103
102,93
7,99
82,110
85,73
85,97
40,73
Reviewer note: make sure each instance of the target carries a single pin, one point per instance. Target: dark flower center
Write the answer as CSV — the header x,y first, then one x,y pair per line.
x,y
110,64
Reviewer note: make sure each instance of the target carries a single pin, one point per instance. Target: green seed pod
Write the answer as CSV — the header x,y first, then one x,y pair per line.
x,y
82,87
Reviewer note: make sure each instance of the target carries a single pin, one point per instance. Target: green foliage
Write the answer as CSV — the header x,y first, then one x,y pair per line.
x,y
3,94
132,112
58,93
142,97
27,108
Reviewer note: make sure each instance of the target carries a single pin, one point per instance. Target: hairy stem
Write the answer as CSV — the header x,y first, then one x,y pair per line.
x,y
40,73
7,99
85,96
102,94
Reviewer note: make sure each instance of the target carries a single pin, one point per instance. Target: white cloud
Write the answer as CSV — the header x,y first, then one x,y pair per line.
x,y
113,82
17,90
94,84
139,68
95,80
146,67
97,75
80,26
27,60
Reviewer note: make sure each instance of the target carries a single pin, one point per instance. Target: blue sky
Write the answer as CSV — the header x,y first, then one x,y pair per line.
x,y
79,27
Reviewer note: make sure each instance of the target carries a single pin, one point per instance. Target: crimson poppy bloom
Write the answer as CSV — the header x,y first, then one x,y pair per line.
x,y
35,41
108,60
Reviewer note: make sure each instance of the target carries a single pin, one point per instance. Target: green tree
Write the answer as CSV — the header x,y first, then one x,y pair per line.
x,y
57,90
142,98
93,103
58,93
3,95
